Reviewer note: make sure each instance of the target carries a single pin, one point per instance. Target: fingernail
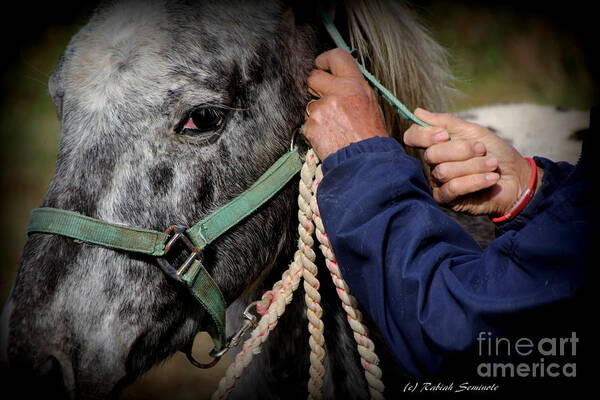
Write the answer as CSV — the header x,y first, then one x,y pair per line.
x,y
491,162
441,136
479,148
422,111
492,176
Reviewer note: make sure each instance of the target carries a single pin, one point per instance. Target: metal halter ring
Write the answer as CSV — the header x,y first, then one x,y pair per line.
x,y
187,350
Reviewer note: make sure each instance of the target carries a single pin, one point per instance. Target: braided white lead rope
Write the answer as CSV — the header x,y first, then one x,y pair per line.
x,y
312,298
279,298
365,346
281,294
275,301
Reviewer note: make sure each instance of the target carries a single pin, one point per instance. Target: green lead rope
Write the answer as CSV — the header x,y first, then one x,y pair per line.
x,y
389,96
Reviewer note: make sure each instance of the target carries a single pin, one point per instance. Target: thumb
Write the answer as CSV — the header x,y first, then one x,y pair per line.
x,y
454,125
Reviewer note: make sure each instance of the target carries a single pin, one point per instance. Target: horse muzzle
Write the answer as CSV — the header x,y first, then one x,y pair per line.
x,y
29,371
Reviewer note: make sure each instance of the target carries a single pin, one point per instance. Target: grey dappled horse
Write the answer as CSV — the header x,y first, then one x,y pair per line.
x,y
168,110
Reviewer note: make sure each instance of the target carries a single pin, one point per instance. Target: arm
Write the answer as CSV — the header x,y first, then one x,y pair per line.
x,y
419,275
424,280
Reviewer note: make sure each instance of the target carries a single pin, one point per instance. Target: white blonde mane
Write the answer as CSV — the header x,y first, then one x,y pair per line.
x,y
401,53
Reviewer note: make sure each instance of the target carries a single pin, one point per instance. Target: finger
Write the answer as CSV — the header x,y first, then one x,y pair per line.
x,y
449,122
308,129
321,81
314,108
455,150
464,185
339,62
323,145
447,171
314,93
424,136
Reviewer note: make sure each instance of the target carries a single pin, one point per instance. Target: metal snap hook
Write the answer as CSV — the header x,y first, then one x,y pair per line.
x,y
250,321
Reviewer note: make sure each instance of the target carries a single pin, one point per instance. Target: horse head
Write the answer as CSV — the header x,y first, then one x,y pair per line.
x,y
167,111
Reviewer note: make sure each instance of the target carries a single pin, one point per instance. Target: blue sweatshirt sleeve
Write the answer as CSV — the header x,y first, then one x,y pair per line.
x,y
421,277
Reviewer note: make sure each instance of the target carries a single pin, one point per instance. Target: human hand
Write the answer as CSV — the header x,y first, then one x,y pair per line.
x,y
347,110
476,172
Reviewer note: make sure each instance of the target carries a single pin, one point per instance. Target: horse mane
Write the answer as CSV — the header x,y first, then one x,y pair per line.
x,y
400,52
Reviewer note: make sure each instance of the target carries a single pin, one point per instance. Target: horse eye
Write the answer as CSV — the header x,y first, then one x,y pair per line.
x,y
203,119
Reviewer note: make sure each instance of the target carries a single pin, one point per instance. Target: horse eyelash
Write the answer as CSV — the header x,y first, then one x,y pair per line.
x,y
228,107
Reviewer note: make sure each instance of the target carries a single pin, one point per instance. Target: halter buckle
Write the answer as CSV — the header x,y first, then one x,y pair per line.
x,y
178,235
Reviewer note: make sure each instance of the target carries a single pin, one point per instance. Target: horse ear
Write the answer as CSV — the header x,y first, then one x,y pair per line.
x,y
400,52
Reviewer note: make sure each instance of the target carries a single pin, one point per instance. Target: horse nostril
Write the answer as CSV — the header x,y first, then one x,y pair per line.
x,y
55,377
51,369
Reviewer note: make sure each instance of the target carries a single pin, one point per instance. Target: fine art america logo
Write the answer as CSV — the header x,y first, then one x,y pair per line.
x,y
540,358
547,355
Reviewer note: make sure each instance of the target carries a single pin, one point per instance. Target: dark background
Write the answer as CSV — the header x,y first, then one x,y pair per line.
x,y
502,52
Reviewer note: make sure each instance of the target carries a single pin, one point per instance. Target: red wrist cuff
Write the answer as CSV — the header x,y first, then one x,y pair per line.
x,y
525,197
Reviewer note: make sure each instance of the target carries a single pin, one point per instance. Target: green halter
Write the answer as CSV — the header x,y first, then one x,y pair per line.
x,y
154,243
195,238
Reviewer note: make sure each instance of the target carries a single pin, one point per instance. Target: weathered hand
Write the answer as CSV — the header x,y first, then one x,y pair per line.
x,y
476,172
347,110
